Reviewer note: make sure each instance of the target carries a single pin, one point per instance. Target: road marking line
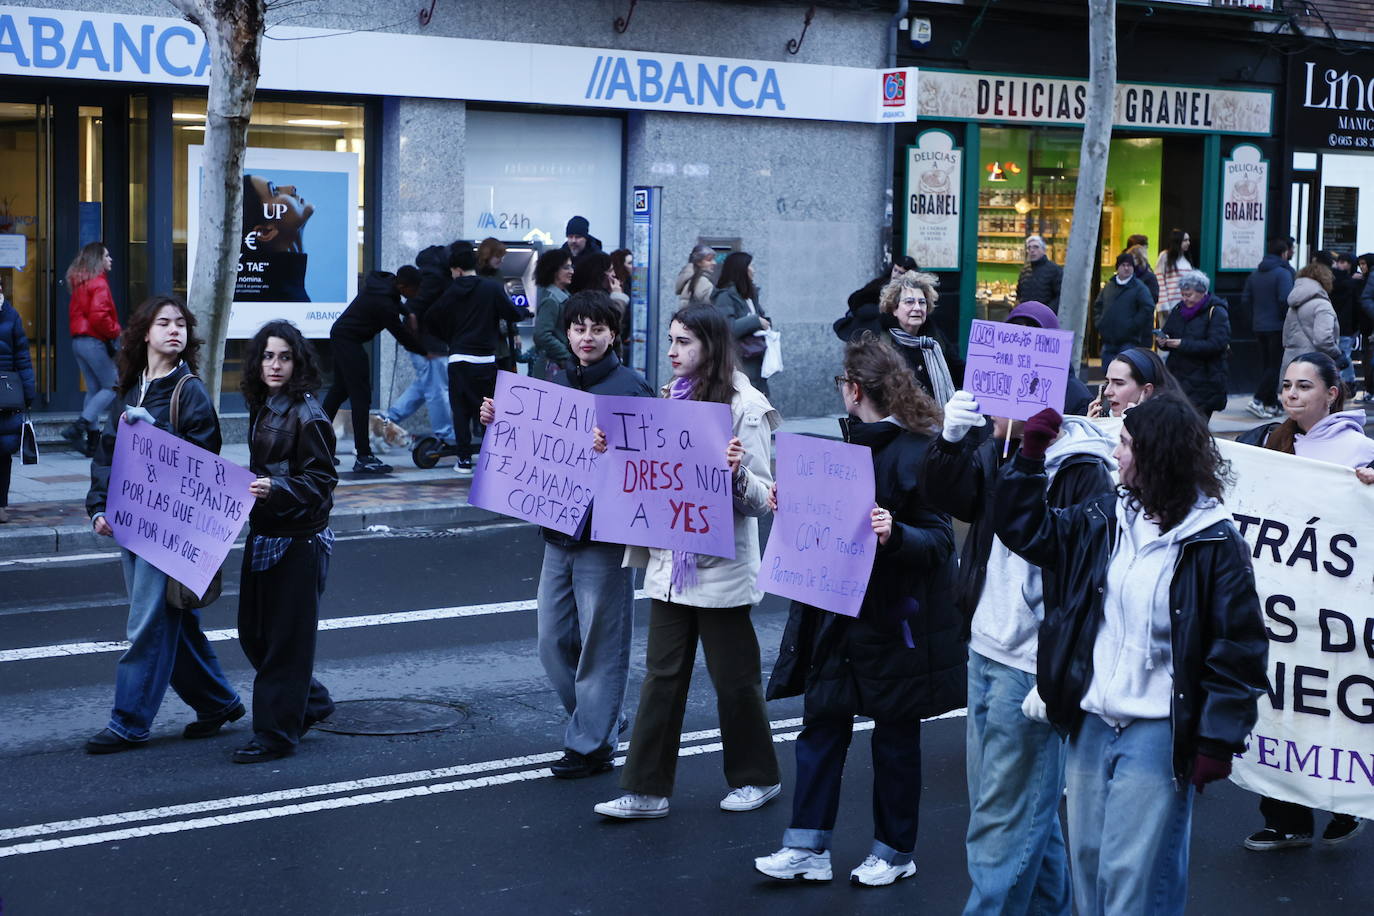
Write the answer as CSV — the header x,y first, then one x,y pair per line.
x,y
366,798
62,650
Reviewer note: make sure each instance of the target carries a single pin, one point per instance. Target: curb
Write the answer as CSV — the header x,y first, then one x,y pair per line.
x,y
48,540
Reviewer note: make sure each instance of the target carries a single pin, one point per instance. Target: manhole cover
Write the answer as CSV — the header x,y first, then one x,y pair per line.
x,y
390,717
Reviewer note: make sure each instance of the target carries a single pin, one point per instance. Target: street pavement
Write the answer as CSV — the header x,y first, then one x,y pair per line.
x,y
464,820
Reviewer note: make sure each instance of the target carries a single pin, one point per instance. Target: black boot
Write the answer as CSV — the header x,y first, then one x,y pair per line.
x,y
76,435
92,442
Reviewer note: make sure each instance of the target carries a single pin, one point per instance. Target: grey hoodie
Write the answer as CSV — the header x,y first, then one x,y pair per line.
x,y
1006,623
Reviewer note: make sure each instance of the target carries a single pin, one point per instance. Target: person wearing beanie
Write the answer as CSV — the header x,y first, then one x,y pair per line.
x,y
580,242
1152,654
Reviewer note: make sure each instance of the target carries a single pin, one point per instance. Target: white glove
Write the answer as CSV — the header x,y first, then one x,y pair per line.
x,y
1033,708
137,415
961,415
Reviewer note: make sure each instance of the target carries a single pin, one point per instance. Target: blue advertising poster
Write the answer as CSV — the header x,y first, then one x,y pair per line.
x,y
298,254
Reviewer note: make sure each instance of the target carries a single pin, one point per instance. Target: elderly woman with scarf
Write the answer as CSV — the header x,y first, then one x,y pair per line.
x,y
707,599
906,305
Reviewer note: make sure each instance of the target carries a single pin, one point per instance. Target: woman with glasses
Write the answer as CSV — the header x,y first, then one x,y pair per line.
x,y
907,304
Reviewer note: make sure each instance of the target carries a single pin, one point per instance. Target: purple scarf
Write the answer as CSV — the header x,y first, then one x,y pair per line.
x,y
1189,312
684,562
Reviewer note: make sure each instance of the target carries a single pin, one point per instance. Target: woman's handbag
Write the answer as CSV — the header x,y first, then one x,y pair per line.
x,y
179,596
11,391
28,442
752,347
772,357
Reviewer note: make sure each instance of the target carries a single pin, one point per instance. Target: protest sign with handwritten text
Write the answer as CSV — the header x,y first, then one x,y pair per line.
x,y
537,461
175,504
665,482
1017,371
820,550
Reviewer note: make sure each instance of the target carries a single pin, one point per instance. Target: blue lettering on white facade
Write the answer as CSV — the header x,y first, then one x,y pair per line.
x,y
641,80
175,51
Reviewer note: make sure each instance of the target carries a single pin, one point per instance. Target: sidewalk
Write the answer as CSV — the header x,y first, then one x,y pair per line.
x,y
48,514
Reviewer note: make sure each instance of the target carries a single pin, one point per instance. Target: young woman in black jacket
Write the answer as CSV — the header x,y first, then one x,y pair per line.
x,y
1154,654
286,556
901,660
158,349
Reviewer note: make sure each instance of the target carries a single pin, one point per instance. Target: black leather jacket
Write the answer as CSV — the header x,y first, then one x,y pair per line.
x,y
1220,651
197,423
292,442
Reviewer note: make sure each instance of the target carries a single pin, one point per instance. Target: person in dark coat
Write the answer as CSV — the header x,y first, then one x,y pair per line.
x,y
1266,296
1040,277
1138,247
14,357
158,356
468,315
579,242
864,313
286,555
1345,300
1197,337
1017,862
430,385
1124,313
901,660
907,309
376,308
737,298
1153,652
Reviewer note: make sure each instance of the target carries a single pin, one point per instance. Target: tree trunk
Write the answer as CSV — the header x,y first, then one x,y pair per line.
x,y
1078,282
233,29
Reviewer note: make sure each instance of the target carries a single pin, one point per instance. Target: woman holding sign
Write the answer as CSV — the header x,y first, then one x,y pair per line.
x,y
158,350
707,599
901,660
1152,652
1316,428
286,556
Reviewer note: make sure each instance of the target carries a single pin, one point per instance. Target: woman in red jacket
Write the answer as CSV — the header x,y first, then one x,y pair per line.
x,y
94,329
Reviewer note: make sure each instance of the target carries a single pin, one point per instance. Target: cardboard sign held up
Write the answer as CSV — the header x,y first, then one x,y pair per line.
x,y
1017,371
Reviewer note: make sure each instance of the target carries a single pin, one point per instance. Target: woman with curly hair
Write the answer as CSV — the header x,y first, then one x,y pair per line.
x,y
286,556
158,355
907,304
901,660
1152,653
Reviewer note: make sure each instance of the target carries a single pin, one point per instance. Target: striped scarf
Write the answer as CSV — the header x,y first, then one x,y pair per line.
x,y
936,369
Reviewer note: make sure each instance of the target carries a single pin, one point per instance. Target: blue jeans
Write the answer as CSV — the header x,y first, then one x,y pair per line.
x,y
1347,347
166,647
98,369
586,619
1016,857
430,388
1129,823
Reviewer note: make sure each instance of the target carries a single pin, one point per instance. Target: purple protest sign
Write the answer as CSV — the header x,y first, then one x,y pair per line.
x,y
175,504
1016,371
821,548
664,481
537,461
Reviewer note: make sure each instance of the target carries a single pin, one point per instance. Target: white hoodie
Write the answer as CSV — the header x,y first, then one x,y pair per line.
x,y
1006,623
1133,657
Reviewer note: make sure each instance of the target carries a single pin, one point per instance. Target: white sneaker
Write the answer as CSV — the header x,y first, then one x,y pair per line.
x,y
747,798
874,872
789,863
634,806
1258,409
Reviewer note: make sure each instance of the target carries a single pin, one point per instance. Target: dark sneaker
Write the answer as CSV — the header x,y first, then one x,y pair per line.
x,y
107,742
1342,828
77,436
257,752
205,728
371,464
573,765
1269,838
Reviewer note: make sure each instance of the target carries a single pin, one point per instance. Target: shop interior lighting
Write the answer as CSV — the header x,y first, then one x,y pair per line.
x,y
314,122
187,116
200,127
996,173
1022,206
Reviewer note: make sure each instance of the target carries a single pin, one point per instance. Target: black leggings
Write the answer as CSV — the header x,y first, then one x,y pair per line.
x,y
5,479
352,382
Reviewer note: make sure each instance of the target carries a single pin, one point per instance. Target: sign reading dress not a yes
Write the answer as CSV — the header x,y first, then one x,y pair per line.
x,y
1017,371
537,461
664,481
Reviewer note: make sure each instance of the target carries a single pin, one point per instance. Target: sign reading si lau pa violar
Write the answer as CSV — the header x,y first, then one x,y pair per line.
x,y
49,43
537,461
821,547
1017,371
665,482
175,504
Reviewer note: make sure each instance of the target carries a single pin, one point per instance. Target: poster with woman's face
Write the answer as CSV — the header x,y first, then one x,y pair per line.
x,y
297,245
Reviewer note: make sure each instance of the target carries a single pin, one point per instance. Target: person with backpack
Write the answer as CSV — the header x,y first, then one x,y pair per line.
x,y
158,355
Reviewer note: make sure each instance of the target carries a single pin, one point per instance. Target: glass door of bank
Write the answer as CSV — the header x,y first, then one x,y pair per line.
x,y
53,158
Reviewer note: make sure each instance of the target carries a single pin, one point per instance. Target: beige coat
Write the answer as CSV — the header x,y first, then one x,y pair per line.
x,y
721,582
1310,324
701,291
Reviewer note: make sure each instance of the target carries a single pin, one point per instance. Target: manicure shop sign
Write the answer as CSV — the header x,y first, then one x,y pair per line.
x,y
175,504
1017,371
